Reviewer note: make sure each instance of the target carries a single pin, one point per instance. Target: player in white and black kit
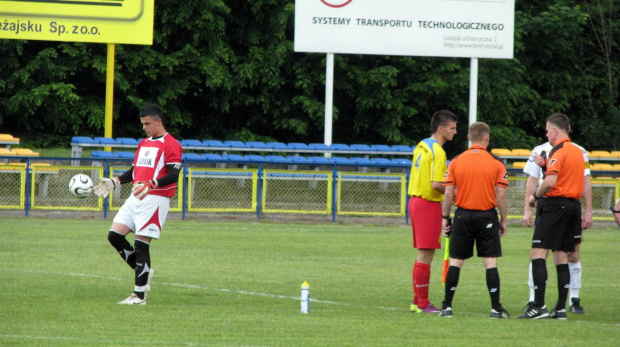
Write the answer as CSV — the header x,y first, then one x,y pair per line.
x,y
535,171
154,175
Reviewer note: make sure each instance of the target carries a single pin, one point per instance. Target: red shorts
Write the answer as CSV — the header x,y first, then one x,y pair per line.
x,y
426,223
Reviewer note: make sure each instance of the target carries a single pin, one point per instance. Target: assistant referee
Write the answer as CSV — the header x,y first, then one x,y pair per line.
x,y
481,180
558,216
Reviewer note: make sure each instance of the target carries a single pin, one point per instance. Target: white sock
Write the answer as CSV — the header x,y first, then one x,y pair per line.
x,y
575,278
530,282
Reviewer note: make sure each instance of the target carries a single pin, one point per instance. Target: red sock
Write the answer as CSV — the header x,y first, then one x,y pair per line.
x,y
415,289
421,278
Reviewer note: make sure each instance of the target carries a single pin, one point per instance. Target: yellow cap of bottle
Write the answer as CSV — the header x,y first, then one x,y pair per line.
x,y
305,284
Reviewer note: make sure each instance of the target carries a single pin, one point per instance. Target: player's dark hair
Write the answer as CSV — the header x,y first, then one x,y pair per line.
x,y
560,121
153,111
442,118
478,130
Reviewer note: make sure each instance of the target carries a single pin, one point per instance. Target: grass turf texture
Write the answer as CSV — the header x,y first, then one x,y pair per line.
x,y
238,284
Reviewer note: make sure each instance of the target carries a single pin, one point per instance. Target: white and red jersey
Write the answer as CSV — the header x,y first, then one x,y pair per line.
x,y
151,159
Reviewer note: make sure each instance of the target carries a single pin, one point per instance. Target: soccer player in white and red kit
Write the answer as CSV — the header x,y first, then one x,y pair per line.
x,y
154,175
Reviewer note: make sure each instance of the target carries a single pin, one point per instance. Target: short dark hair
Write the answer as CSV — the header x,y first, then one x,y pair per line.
x,y
153,111
560,120
478,130
442,118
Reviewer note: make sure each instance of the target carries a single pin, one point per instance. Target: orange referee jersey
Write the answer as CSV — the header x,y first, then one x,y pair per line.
x,y
475,173
567,163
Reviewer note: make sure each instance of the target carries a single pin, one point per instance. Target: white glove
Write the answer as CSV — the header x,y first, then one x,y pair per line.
x,y
141,189
106,185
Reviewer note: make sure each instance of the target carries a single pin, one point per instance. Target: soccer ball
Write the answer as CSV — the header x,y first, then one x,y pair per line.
x,y
81,186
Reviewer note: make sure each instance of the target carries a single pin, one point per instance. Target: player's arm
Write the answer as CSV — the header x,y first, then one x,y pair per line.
x,y
502,204
545,186
530,188
446,206
438,187
616,211
106,185
586,221
141,189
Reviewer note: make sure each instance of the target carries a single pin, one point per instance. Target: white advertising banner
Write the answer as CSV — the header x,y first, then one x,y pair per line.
x,y
441,28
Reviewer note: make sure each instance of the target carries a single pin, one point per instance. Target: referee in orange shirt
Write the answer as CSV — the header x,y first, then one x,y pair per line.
x,y
481,180
558,215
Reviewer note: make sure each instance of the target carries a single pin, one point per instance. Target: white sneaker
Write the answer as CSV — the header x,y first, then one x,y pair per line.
x,y
147,288
133,299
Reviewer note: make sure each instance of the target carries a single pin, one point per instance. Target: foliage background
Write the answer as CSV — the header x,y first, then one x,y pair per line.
x,y
226,70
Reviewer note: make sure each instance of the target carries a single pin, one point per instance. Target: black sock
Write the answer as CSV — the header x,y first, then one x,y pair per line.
x,y
539,273
123,247
143,267
563,285
452,281
493,286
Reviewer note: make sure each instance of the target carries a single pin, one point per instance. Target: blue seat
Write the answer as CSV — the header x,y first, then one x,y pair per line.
x,y
105,140
212,157
381,161
126,141
340,160
191,143
277,145
235,144
213,143
298,145
103,155
360,161
339,147
125,154
297,159
82,140
319,160
255,158
191,156
318,146
401,162
256,144
276,159
360,147
233,157
381,148
402,148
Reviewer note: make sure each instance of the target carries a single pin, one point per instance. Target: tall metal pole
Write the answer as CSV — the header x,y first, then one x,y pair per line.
x,y
109,92
329,98
473,92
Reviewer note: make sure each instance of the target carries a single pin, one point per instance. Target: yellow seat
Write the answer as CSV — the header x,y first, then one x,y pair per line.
x,y
615,154
604,180
602,167
27,152
8,138
600,154
4,151
616,167
519,164
521,152
501,151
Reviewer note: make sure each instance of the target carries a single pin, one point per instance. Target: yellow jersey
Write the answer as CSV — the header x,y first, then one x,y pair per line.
x,y
428,165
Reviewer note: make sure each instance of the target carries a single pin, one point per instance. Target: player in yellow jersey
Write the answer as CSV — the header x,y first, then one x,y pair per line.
x,y
426,195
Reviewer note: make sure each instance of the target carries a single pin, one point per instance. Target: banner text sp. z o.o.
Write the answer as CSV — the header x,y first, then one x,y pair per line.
x,y
103,21
443,28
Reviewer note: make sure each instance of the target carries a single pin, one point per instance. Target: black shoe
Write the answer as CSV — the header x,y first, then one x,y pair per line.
x,y
576,307
530,305
502,313
558,314
536,313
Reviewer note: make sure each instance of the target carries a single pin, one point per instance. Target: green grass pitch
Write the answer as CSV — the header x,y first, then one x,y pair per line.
x,y
238,284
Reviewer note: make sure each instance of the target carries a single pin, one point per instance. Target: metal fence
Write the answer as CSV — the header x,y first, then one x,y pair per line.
x,y
331,190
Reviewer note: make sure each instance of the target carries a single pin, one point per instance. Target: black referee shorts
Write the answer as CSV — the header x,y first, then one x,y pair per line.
x,y
558,221
479,227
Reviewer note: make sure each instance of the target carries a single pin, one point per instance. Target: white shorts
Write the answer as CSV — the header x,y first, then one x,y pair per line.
x,y
144,217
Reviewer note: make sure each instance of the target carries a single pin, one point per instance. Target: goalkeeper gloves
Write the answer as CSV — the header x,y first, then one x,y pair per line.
x,y
106,185
141,189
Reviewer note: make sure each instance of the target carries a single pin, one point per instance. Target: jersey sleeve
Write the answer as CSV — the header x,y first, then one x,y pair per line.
x,y
502,175
531,168
439,165
173,152
586,163
448,179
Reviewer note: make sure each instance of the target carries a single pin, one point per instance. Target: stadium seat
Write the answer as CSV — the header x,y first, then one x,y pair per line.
x,y
103,155
256,144
297,159
126,141
519,164
600,155
381,148
5,151
402,148
9,138
213,143
382,161
520,152
255,158
212,157
616,167
360,161
615,154
339,147
276,159
298,145
82,140
125,154
501,152
318,160
24,152
401,162
233,157
601,167
191,156
104,140
277,145
360,147
340,160
234,144
187,143
318,146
